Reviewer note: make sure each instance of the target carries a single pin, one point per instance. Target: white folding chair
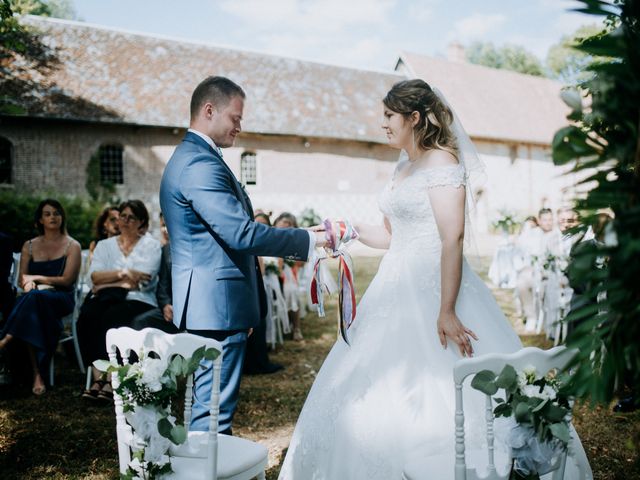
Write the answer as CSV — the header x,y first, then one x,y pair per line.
x,y
205,455
14,275
494,469
69,333
278,319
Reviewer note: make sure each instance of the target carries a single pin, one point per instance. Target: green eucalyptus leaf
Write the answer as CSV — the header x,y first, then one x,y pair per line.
x,y
561,432
178,434
554,413
102,365
540,405
175,367
485,382
211,354
508,378
522,413
165,427
502,410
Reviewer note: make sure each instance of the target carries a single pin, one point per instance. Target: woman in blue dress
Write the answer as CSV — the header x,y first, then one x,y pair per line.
x,y
49,266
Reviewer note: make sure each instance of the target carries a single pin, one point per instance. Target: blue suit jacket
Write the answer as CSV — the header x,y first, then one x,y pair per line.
x,y
214,241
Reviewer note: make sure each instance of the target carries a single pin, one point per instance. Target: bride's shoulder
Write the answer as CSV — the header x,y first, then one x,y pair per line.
x,y
439,158
441,168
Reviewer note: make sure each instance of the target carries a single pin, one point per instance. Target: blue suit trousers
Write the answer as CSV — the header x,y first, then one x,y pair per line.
x,y
233,347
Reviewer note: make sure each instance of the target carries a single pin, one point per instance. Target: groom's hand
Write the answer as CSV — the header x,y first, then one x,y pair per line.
x,y
321,238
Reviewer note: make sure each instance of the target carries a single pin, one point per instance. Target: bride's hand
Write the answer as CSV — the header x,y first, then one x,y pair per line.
x,y
449,325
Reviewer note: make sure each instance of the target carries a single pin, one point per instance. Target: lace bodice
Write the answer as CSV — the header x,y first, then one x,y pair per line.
x,y
406,204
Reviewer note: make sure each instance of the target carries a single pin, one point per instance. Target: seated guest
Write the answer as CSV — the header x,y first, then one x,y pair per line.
x,y
160,317
106,226
124,274
49,266
256,357
290,286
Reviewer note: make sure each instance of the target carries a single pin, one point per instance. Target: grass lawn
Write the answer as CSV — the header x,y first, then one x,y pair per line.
x,y
60,436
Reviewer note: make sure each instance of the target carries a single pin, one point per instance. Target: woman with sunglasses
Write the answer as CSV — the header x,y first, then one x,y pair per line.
x,y
124,274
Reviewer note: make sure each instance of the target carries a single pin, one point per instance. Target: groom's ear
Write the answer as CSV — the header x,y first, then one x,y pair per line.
x,y
209,110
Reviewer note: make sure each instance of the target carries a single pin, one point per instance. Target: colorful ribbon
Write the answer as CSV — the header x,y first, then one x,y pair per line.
x,y
338,233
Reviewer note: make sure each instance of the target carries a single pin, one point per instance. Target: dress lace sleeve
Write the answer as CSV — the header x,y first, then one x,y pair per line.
x,y
446,175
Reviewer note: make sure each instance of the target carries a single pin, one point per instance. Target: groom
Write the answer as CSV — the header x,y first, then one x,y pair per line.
x,y
217,286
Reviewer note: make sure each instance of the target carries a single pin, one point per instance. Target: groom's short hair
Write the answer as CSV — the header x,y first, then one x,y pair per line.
x,y
217,90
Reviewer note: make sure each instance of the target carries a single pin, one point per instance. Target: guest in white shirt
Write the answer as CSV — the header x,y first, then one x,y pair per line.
x,y
124,274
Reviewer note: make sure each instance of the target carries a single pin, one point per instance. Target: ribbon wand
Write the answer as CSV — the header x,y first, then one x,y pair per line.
x,y
338,233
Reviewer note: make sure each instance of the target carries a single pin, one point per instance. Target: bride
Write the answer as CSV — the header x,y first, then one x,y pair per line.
x,y
389,395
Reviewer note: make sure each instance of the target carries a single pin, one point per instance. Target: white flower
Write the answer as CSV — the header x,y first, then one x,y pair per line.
x,y
549,392
152,371
531,391
522,380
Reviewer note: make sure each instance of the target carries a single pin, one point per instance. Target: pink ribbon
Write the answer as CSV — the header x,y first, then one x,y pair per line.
x,y
338,233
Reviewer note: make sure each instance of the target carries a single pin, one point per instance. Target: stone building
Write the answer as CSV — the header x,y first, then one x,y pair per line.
x,y
311,134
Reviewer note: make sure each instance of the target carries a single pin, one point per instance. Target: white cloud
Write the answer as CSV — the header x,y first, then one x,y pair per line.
x,y
476,26
420,13
309,16
345,32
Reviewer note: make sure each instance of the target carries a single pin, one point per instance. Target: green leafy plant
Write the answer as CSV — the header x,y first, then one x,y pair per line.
x,y
602,143
538,408
308,218
507,222
147,388
17,210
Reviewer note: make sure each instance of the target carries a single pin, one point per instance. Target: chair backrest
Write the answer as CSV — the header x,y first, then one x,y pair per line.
x,y
14,275
127,340
543,360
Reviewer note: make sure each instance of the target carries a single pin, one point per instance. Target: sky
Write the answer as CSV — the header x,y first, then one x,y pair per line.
x,y
365,34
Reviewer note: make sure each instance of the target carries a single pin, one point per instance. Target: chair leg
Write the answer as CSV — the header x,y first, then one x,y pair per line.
x,y
76,345
89,380
51,372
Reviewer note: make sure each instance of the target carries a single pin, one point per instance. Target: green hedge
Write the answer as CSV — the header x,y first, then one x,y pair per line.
x,y
17,211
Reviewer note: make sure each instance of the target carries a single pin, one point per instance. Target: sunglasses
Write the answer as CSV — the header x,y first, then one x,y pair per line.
x,y
128,218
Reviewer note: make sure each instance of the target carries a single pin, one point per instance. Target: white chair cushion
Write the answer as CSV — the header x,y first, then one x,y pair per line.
x,y
235,455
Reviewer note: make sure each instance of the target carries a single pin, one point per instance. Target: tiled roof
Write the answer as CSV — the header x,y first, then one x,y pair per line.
x,y
492,103
100,74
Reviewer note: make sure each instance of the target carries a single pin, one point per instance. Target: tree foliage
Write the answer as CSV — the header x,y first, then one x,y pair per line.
x,y
17,41
17,211
508,57
603,143
45,8
569,64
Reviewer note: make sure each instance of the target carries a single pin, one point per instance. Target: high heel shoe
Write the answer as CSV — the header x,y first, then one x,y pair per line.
x,y
38,391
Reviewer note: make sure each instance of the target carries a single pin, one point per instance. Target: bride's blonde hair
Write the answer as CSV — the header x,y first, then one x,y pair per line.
x,y
433,130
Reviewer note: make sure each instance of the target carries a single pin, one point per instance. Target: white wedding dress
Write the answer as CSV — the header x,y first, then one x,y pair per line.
x,y
390,394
